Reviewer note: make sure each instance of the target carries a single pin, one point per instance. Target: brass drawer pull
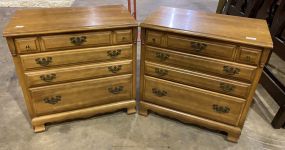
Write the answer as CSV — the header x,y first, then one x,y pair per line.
x,y
115,69
52,100
159,93
48,77
116,90
227,87
78,40
44,61
161,72
198,47
231,70
161,56
221,109
153,40
114,53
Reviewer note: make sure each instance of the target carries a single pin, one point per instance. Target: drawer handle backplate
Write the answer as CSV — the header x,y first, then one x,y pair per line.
x,y
161,72
221,109
114,53
227,87
115,69
116,90
44,61
198,47
78,40
231,70
52,100
159,93
48,77
161,56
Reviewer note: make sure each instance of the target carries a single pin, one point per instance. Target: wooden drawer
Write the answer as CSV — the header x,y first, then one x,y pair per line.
x,y
249,56
27,45
57,75
154,37
196,79
215,106
123,36
67,41
75,95
201,64
43,60
206,48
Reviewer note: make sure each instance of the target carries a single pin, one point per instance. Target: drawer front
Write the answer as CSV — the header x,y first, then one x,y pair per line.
x,y
199,80
154,37
249,56
123,36
211,49
219,107
75,95
67,41
57,75
49,59
27,45
201,64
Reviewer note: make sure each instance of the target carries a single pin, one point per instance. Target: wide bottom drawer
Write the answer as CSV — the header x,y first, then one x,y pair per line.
x,y
75,95
215,106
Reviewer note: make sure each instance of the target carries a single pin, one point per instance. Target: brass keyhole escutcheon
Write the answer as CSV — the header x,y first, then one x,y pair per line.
x,y
28,47
247,58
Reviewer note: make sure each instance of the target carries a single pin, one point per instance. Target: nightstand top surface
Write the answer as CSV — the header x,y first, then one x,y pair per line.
x,y
58,20
242,30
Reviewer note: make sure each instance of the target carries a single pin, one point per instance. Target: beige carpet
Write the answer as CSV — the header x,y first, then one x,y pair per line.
x,y
36,3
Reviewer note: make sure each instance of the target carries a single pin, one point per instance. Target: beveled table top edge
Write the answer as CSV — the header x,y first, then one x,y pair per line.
x,y
206,35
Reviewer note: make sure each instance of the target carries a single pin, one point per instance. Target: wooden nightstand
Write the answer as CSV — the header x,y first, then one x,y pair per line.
x,y
202,68
74,62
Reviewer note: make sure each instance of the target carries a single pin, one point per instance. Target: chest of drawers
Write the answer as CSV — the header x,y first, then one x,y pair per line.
x,y
74,62
202,68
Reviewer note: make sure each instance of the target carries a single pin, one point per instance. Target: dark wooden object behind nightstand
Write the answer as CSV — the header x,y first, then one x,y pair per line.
x,y
273,11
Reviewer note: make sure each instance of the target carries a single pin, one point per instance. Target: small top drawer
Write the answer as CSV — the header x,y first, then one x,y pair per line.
x,y
206,48
27,45
249,56
66,41
154,37
123,36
